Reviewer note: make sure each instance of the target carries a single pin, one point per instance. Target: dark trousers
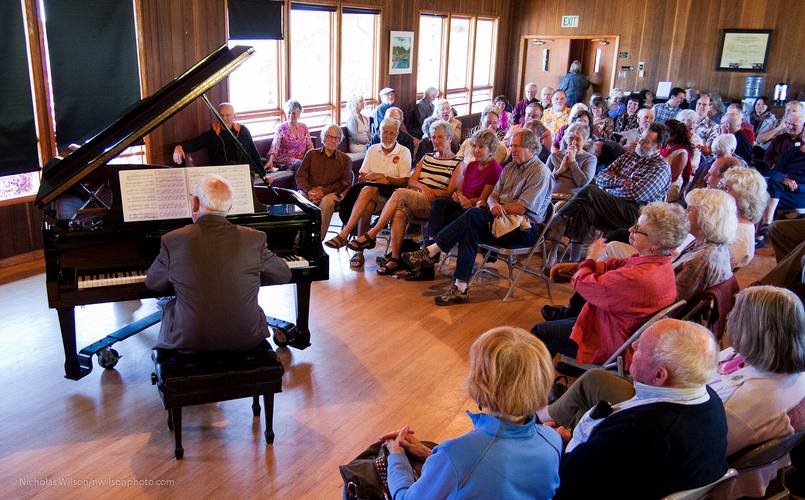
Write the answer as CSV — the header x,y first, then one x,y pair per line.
x,y
556,336
471,228
592,207
789,200
443,211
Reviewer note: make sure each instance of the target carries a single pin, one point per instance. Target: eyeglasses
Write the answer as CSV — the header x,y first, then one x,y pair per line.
x,y
635,229
333,137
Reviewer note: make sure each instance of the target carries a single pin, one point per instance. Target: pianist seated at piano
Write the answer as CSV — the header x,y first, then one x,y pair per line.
x,y
325,174
221,148
216,269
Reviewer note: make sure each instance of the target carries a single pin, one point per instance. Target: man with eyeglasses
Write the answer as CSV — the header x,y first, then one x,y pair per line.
x,y
325,174
613,200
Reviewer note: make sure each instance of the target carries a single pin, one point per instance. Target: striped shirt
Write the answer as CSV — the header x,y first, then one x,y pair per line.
x,y
436,172
649,178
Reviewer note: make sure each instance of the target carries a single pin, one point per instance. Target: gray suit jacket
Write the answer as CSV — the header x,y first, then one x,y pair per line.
x,y
216,269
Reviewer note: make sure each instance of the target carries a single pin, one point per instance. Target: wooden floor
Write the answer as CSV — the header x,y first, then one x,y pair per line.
x,y
382,356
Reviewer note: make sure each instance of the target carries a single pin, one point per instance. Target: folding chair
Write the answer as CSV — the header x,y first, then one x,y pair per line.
x,y
569,366
766,454
510,255
701,492
710,308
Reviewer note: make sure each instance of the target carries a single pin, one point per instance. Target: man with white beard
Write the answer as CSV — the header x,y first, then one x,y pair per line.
x,y
613,200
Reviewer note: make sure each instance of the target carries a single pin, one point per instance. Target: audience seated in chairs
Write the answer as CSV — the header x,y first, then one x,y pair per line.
x,y
474,185
629,138
533,115
519,115
325,174
678,153
619,294
671,436
357,126
603,126
507,454
760,378
572,166
386,167
613,200
291,141
502,105
403,137
489,120
708,174
748,188
578,114
517,207
434,177
628,119
793,126
731,124
423,109
705,261
442,110
558,114
787,182
764,138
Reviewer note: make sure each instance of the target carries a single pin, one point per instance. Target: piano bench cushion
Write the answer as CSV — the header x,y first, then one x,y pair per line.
x,y
189,378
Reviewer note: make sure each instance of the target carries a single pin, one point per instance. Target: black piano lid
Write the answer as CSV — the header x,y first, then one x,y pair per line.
x,y
61,175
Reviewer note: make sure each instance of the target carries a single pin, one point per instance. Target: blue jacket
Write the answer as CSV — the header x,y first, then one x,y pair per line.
x,y
574,85
499,459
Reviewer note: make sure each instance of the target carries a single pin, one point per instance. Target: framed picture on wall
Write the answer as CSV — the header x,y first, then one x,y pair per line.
x,y
744,50
401,52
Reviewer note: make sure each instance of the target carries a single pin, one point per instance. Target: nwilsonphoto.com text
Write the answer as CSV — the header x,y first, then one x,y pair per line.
x,y
108,482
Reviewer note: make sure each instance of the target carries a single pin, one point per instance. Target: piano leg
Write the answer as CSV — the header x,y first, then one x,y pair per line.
x,y
72,369
302,337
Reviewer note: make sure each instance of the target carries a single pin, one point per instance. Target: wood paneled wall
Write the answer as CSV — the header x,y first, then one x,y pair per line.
x,y
174,34
678,39
21,226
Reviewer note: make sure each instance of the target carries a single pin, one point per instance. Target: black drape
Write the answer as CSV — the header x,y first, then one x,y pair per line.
x,y
17,131
93,65
255,20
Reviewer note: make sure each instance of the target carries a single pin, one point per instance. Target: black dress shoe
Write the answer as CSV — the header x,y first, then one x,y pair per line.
x,y
553,313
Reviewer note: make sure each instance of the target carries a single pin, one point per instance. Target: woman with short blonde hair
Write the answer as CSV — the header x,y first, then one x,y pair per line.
x,y
748,188
507,455
705,262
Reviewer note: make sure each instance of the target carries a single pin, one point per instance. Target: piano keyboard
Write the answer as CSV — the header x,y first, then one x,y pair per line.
x,y
132,277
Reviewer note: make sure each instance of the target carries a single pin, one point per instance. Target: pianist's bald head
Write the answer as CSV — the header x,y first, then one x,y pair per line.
x,y
212,195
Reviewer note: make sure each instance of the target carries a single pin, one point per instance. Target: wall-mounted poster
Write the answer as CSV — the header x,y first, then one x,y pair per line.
x,y
744,50
401,52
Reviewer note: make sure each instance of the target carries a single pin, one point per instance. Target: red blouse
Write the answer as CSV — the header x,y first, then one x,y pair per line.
x,y
621,295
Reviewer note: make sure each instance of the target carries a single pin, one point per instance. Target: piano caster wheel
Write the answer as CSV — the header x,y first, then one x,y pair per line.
x,y
108,358
280,337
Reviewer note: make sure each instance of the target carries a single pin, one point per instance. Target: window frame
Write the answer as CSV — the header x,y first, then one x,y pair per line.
x,y
467,92
336,101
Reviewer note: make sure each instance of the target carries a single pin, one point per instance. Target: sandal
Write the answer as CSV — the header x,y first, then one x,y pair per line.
x,y
336,242
357,260
390,267
367,243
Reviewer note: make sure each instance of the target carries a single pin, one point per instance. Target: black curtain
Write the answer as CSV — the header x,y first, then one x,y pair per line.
x,y
255,19
93,65
17,131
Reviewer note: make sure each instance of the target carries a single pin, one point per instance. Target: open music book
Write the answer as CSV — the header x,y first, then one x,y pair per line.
x,y
164,193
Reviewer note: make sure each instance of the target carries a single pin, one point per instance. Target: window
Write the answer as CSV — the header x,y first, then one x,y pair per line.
x,y
468,64
254,87
311,64
484,64
597,60
429,59
359,68
18,186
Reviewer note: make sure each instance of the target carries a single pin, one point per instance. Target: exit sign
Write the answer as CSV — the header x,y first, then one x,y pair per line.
x,y
570,21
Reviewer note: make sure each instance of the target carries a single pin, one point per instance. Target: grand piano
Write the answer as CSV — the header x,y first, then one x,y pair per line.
x,y
92,256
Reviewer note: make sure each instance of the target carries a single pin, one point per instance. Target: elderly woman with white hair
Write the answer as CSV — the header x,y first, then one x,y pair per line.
x,y
578,113
616,106
357,125
291,140
760,379
508,454
442,110
705,262
619,294
748,188
572,166
435,176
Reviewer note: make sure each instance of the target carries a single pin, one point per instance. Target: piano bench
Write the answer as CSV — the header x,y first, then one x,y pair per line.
x,y
186,378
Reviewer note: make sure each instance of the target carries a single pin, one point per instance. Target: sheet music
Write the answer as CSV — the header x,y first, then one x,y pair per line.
x,y
240,180
164,193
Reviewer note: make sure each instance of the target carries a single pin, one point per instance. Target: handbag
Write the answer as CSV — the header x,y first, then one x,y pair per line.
x,y
366,476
